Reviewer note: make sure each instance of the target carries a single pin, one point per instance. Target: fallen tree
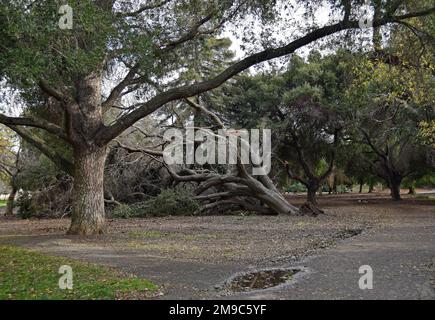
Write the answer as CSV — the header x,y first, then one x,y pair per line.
x,y
235,189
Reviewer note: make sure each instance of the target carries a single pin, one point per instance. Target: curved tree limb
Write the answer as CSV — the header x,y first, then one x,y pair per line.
x,y
63,163
52,92
107,134
35,123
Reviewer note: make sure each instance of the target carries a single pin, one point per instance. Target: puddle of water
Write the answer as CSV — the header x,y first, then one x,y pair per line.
x,y
261,279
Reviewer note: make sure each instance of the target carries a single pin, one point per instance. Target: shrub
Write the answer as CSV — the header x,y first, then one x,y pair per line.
x,y
296,187
51,202
26,207
170,202
342,189
124,211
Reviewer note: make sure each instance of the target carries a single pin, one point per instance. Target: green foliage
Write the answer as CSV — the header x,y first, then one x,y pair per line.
x,y
39,205
7,154
206,57
29,275
389,102
46,188
3,203
308,95
34,45
26,206
126,211
171,201
296,187
427,181
38,174
342,189
427,133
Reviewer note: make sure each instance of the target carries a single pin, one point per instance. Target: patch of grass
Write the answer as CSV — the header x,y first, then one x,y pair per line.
x,y
164,247
148,234
199,236
3,203
30,275
301,224
154,234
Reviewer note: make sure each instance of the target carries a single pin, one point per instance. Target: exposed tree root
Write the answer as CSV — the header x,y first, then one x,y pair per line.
x,y
308,208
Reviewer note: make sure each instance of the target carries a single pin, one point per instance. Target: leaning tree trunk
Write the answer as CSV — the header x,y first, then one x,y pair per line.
x,y
88,202
10,203
276,202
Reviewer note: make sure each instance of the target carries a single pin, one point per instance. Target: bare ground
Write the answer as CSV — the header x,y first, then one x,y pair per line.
x,y
191,257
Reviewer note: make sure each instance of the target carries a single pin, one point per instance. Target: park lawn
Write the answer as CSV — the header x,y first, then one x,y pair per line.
x,y
30,275
2,203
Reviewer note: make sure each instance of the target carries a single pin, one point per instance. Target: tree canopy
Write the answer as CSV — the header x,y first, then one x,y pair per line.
x,y
144,55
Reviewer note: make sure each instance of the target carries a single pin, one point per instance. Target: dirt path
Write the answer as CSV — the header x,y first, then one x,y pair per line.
x,y
191,256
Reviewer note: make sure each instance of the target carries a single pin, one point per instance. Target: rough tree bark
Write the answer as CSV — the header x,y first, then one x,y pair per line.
x,y
10,203
85,119
395,181
88,203
312,188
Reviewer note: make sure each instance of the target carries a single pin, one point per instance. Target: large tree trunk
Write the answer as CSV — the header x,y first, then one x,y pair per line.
x,y
88,203
311,193
85,120
10,203
334,185
395,183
